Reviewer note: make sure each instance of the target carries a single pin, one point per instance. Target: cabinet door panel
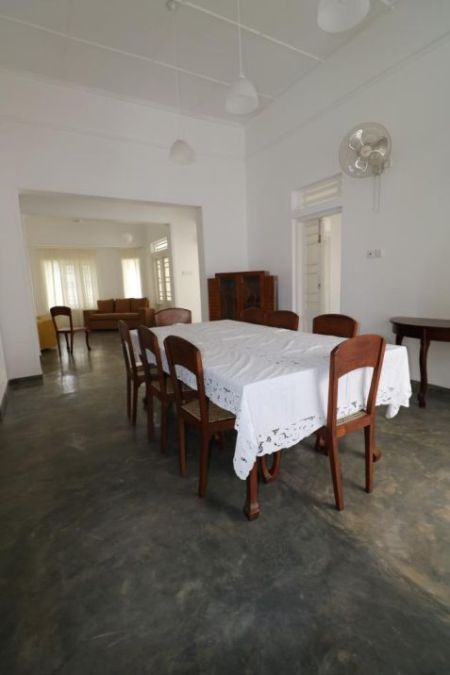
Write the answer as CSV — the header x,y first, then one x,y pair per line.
x,y
228,297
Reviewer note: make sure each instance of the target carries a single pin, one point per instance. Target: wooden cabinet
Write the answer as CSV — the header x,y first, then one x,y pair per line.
x,y
231,292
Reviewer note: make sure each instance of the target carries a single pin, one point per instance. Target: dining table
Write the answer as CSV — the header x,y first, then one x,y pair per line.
x,y
275,381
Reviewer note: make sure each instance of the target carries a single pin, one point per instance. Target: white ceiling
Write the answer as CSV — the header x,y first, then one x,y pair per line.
x,y
127,46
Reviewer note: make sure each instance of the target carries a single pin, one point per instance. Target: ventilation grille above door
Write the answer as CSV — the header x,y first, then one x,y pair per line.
x,y
318,196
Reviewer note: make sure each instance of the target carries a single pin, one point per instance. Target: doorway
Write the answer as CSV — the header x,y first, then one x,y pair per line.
x,y
319,278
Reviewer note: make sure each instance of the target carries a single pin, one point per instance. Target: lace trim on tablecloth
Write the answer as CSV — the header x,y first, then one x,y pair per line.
x,y
286,437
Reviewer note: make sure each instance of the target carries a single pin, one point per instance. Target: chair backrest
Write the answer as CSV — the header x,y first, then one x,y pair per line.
x,y
148,341
181,352
282,318
253,315
61,310
335,324
167,317
362,351
127,348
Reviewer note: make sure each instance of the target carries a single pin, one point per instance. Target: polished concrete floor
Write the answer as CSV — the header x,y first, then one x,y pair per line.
x,y
110,564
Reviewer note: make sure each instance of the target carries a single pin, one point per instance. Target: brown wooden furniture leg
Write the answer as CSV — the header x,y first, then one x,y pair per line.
x,y
335,466
204,460
164,427
150,422
270,474
134,404
182,446
128,397
87,340
58,343
251,508
369,437
424,345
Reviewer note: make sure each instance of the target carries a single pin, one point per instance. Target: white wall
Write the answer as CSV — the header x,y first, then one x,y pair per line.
x,y
185,249
295,143
57,139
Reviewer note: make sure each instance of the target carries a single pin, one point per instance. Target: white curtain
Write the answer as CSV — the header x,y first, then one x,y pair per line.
x,y
132,283
69,278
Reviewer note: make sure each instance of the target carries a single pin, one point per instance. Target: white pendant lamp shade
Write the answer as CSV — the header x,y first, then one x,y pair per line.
x,y
242,97
335,16
181,152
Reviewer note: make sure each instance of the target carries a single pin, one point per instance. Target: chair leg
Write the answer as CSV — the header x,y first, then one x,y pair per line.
x,y
204,460
252,508
164,430
150,422
135,402
335,466
182,446
86,333
321,445
67,342
128,397
369,438
269,474
71,343
58,344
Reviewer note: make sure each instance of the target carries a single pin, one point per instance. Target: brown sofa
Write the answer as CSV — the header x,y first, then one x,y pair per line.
x,y
134,311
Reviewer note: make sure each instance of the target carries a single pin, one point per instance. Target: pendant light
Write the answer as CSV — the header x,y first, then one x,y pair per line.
x,y
242,97
180,151
336,16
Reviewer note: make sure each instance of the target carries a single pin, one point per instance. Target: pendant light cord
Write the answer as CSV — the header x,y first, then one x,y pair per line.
x,y
177,74
241,71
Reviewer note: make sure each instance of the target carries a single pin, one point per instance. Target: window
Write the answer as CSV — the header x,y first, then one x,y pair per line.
x,y
70,278
131,271
162,270
160,245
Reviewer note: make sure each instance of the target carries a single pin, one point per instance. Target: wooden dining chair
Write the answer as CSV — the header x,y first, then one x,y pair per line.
x,y
167,317
199,411
363,351
253,315
339,325
134,371
282,318
158,383
67,330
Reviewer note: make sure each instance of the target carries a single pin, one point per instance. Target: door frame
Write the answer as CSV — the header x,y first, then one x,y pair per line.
x,y
299,218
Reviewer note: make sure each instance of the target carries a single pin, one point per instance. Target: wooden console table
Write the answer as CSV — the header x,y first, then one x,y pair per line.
x,y
425,330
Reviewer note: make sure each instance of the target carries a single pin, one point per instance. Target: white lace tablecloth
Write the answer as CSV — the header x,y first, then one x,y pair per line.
x,y
276,382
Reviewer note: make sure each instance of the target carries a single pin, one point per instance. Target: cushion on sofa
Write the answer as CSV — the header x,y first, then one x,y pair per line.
x,y
105,305
138,303
122,305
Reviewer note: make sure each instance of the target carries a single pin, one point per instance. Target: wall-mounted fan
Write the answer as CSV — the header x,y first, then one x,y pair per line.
x,y
364,152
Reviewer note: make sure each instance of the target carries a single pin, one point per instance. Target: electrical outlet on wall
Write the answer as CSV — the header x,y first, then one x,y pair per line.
x,y
374,253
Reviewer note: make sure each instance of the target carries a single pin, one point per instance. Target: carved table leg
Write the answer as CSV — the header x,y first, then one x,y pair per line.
x,y
251,508
269,474
424,345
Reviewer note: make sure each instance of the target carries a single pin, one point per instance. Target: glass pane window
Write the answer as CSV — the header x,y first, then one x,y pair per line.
x,y
132,283
159,245
163,279
70,278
